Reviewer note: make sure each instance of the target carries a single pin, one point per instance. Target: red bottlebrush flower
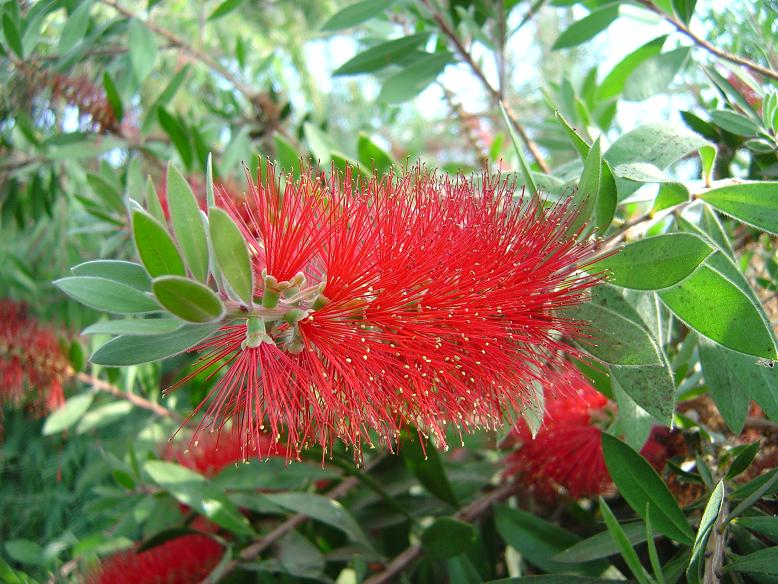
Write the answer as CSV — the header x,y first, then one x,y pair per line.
x,y
566,454
182,560
213,452
30,356
412,300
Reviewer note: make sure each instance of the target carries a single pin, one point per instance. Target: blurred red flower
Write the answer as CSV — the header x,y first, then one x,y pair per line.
x,y
389,302
30,358
566,454
182,560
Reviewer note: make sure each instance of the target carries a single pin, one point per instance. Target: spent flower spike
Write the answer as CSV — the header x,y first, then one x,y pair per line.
x,y
383,303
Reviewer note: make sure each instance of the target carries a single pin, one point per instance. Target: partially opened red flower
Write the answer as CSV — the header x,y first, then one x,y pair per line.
x,y
183,560
566,454
30,359
389,302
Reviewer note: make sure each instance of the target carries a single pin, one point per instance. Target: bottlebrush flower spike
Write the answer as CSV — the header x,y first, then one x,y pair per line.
x,y
182,560
566,454
30,357
390,302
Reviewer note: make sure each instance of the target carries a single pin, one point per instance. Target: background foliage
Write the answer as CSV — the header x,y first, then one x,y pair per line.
x,y
658,117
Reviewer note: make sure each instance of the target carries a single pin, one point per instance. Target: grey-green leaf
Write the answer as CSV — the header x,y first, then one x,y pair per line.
x,y
187,299
381,55
588,27
725,384
356,13
588,187
187,223
143,49
134,326
136,349
108,295
231,253
156,248
127,273
66,416
412,79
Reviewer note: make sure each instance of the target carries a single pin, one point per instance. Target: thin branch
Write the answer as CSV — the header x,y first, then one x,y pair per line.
x,y
464,120
702,43
134,399
494,93
470,513
761,424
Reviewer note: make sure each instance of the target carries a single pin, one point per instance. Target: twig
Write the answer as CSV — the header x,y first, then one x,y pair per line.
x,y
252,551
470,513
494,93
464,120
136,400
761,424
701,42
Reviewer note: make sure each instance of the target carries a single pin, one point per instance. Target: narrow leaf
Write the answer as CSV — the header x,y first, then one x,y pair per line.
x,y
137,349
143,49
231,253
356,13
588,27
68,414
622,542
187,223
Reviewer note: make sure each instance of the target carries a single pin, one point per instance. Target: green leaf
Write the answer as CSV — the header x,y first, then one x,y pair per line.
x,y
194,490
601,545
134,326
178,135
725,386
650,386
660,144
322,509
654,74
715,307
136,349
155,246
26,551
373,156
460,570
106,295
424,462
187,299
299,557
112,95
613,84
622,542
231,253
104,415
538,541
655,262
143,49
287,157
588,27
764,561
447,537
127,273
153,204
381,55
518,146
12,36
356,13
634,423
187,223
734,123
225,8
639,484
75,27
68,414
108,194
754,203
765,525
743,459
588,187
707,522
412,79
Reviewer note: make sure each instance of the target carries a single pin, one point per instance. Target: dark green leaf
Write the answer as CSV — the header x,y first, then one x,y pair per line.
x,y
155,246
127,273
684,9
601,545
539,541
588,27
299,557
743,460
411,80
613,84
373,156
423,460
68,414
640,485
622,543
712,305
108,193
724,383
707,522
754,203
760,562
765,525
194,490
654,74
106,295
231,253
26,551
112,94
460,570
136,349
134,326
322,509
187,223
12,36
655,262
752,492
356,13
187,299
143,49
381,55
225,8
447,537
178,135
